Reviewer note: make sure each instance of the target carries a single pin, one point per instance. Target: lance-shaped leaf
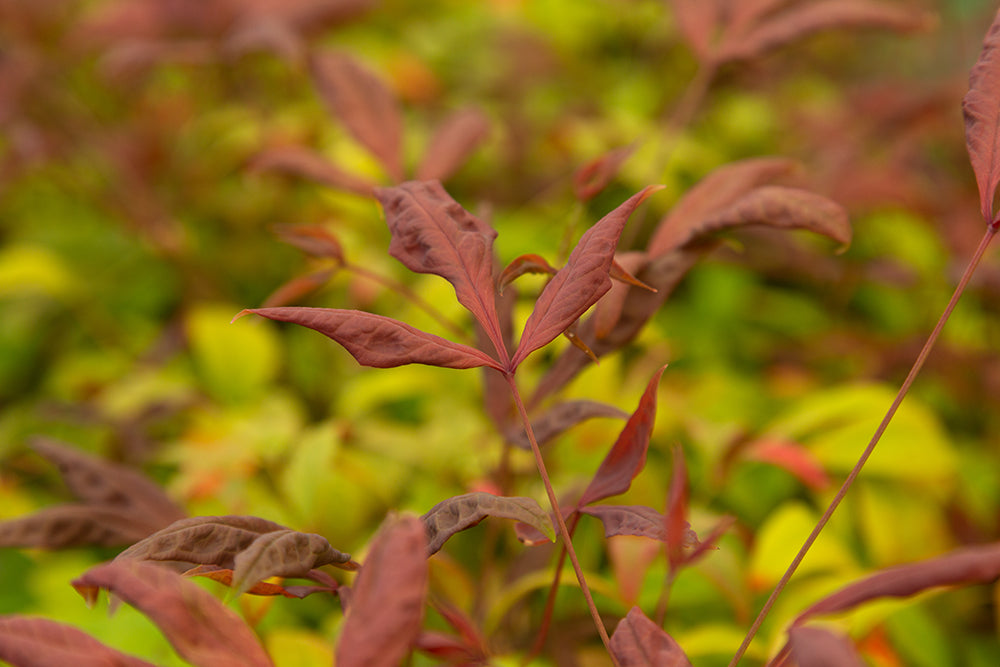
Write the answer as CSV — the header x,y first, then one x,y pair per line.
x,y
76,525
628,455
365,106
808,18
378,341
454,140
579,284
315,240
460,512
296,288
387,600
638,642
698,22
818,647
432,233
560,418
675,517
39,642
283,553
304,163
629,520
200,628
981,108
792,457
100,482
969,565
594,176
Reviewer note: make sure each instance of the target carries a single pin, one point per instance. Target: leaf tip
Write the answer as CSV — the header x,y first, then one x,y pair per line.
x,y
242,313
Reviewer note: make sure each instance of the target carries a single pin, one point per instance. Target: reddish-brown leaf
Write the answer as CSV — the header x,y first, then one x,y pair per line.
x,y
609,310
698,22
521,265
432,233
560,418
201,629
315,240
593,177
629,520
620,273
638,642
811,17
715,192
628,455
981,108
818,647
363,103
39,642
284,553
969,565
675,518
792,457
304,163
455,514
387,600
297,288
377,341
579,284
100,482
74,525
455,139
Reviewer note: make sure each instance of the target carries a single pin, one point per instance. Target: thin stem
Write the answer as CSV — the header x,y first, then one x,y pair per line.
x,y
890,413
414,298
560,520
664,601
550,600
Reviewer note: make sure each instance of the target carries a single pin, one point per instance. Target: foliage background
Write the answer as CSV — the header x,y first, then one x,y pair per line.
x,y
133,231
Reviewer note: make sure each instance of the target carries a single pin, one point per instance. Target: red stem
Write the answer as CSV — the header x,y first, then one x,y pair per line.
x,y
903,390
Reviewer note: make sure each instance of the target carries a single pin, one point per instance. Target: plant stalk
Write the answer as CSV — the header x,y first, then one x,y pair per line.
x,y
560,520
890,413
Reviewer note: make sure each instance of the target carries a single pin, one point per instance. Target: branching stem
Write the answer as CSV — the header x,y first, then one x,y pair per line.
x,y
890,413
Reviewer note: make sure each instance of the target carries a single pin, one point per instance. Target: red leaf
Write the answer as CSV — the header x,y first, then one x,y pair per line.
x,y
818,647
298,287
559,418
698,21
432,233
638,642
628,455
594,176
313,240
387,600
39,642
713,193
794,458
366,107
970,565
454,140
304,163
521,265
629,520
981,108
675,521
812,17
377,341
579,284
201,629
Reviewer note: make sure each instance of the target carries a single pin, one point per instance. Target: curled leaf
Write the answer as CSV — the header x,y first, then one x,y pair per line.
x,y
460,512
378,341
284,553
521,265
629,520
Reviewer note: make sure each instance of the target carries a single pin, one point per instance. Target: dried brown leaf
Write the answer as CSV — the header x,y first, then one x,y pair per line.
x,y
461,512
209,540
